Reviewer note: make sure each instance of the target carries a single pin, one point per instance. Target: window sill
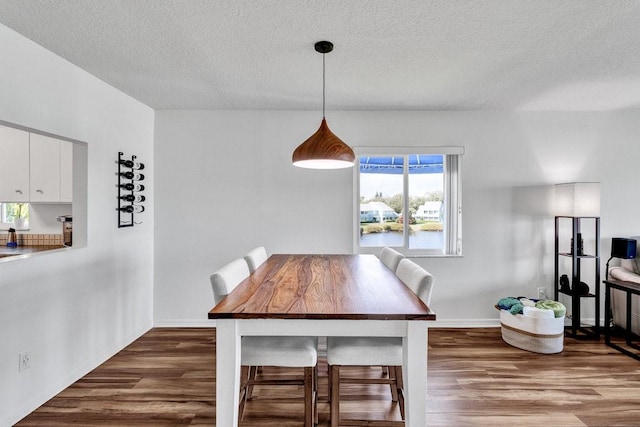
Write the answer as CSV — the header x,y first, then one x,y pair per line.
x,y
5,226
411,253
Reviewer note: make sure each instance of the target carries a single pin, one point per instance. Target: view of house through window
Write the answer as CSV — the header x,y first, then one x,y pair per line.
x,y
410,202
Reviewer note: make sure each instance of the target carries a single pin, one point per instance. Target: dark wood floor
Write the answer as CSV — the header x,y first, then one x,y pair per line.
x,y
167,378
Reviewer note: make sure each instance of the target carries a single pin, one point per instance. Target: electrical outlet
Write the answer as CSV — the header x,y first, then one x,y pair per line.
x,y
542,293
24,360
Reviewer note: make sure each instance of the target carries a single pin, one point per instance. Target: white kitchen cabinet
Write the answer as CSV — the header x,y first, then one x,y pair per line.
x,y
44,164
66,171
51,170
14,171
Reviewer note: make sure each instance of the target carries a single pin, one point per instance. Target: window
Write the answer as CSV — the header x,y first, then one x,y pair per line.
x,y
424,183
10,212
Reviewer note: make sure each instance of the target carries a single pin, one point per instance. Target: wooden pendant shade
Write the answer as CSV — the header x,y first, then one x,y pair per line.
x,y
323,150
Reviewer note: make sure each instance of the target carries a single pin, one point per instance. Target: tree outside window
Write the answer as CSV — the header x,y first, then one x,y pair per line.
x,y
13,211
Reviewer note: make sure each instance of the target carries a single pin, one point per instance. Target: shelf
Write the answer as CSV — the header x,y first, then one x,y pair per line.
x,y
589,295
570,255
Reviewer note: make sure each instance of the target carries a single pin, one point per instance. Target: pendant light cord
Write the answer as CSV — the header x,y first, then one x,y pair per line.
x,y
323,84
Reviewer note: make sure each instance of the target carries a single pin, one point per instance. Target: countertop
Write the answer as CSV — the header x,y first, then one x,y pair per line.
x,y
25,250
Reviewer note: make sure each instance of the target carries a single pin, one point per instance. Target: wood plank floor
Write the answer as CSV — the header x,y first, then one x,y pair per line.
x,y
167,378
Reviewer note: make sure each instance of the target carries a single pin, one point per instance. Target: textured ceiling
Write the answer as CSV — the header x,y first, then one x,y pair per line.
x,y
551,55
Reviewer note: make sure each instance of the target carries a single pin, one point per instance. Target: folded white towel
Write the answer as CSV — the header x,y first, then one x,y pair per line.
x,y
538,313
527,302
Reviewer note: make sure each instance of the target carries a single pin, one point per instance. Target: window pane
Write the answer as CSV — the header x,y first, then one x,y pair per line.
x,y
381,201
13,211
426,202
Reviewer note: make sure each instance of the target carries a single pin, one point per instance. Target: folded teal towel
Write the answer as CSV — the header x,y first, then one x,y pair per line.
x,y
516,308
507,303
559,310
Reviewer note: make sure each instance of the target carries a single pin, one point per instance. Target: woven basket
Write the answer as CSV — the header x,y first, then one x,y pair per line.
x,y
529,333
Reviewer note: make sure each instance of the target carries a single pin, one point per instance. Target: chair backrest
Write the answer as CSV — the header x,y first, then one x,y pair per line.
x,y
227,278
391,258
416,278
255,258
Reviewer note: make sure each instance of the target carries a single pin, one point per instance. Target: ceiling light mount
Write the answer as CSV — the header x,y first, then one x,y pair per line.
x,y
324,46
323,149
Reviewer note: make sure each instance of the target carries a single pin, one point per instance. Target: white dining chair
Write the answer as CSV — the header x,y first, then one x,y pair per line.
x,y
375,351
278,351
391,258
255,258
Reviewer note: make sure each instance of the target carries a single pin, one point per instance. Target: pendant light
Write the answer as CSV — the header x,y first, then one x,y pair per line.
x,y
323,150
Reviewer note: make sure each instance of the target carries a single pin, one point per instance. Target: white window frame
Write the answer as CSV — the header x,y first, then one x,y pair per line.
x,y
453,197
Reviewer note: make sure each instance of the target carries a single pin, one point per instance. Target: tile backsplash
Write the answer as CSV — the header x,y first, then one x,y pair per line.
x,y
34,239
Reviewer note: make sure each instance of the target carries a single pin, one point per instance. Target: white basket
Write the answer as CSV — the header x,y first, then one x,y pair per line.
x,y
532,334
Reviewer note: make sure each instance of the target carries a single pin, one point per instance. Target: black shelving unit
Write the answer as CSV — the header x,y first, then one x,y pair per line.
x,y
575,258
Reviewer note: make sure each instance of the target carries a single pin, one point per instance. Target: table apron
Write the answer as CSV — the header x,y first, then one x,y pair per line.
x,y
323,327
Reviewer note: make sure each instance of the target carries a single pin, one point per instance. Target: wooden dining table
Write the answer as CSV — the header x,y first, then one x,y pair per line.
x,y
321,295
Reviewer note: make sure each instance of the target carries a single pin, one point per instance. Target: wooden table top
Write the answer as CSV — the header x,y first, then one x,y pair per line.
x,y
322,287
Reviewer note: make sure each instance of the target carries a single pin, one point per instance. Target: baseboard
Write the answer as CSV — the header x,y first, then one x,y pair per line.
x,y
184,323
449,323
465,323
49,392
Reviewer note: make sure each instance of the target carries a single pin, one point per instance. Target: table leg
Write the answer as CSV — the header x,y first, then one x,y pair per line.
x,y
415,374
607,314
628,334
227,372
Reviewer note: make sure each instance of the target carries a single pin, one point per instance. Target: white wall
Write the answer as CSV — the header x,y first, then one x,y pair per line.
x,y
42,217
71,310
225,184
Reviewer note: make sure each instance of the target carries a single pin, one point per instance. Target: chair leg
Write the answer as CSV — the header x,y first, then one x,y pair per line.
x,y
310,384
329,383
308,397
334,398
393,383
400,385
253,373
244,380
315,394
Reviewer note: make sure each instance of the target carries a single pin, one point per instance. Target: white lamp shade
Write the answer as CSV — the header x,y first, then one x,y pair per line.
x,y
577,199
